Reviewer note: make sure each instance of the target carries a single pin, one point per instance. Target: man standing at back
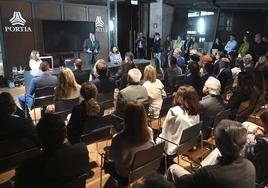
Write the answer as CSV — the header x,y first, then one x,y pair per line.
x,y
92,47
44,80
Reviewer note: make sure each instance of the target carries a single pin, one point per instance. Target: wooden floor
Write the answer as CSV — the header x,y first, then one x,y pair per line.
x,y
94,181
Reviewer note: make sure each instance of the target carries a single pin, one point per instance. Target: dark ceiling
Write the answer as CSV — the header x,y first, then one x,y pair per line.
x,y
235,4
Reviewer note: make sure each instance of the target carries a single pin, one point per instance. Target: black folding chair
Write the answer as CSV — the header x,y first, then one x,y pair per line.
x,y
166,105
78,182
98,135
12,161
106,99
43,97
220,116
63,107
144,163
189,138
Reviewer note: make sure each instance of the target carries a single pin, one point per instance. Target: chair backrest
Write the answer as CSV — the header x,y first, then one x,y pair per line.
x,y
64,106
166,105
79,182
146,105
106,99
44,96
97,135
146,161
14,160
189,138
220,116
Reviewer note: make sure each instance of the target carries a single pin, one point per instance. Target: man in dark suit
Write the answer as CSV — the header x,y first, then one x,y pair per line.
x,y
44,80
16,133
211,104
92,47
80,75
122,73
57,163
104,83
225,75
140,46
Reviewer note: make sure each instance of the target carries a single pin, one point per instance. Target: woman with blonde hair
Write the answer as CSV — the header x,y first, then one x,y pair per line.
x,y
155,90
88,112
67,87
35,60
184,114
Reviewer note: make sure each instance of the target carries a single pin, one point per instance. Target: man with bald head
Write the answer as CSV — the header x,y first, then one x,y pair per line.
x,y
134,91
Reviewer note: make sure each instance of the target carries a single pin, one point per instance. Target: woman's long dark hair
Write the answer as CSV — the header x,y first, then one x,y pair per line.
x,y
136,131
89,93
187,98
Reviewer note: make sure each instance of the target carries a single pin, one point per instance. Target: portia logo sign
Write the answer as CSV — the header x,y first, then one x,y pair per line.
x,y
18,24
99,24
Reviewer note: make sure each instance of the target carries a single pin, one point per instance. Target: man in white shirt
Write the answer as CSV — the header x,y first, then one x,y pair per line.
x,y
231,44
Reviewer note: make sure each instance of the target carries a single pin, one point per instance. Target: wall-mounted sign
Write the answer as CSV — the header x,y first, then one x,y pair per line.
x,y
100,26
16,20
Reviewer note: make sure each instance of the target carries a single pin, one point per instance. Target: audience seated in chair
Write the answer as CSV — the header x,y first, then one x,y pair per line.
x,y
211,104
193,78
242,93
87,112
57,163
103,82
14,129
122,73
155,90
225,74
230,171
67,87
134,91
45,80
115,55
172,72
257,149
80,75
184,114
135,136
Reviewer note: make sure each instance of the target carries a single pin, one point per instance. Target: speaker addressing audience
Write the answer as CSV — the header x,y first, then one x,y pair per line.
x,y
231,169
57,163
86,115
17,133
44,80
103,82
92,49
35,61
67,87
134,91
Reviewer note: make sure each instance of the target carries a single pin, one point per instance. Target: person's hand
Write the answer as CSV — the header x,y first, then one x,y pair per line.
x,y
258,131
89,51
95,51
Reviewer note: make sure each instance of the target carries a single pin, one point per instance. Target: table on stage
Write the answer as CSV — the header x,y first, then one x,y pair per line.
x,y
29,75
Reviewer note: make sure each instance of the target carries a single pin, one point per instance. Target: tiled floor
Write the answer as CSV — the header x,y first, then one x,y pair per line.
x,y
94,181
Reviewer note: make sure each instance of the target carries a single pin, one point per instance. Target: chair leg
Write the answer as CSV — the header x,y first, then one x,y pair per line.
x,y
35,120
101,171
